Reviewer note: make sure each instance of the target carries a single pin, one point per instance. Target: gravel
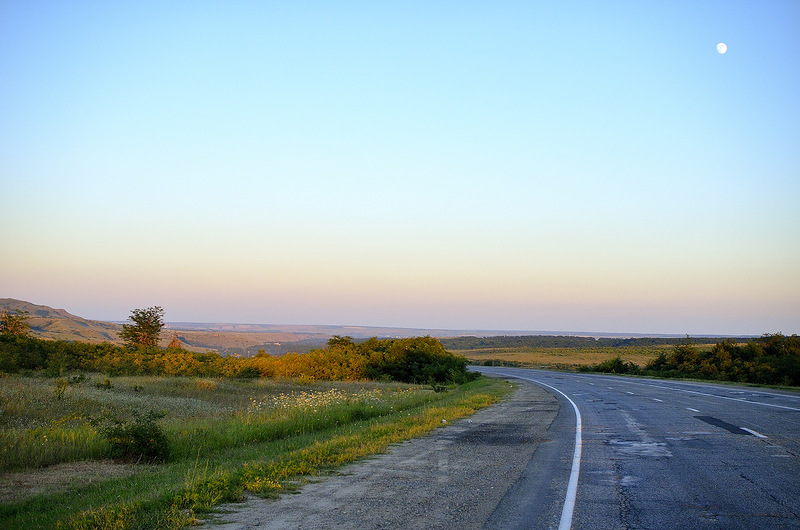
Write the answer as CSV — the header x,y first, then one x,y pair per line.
x,y
452,478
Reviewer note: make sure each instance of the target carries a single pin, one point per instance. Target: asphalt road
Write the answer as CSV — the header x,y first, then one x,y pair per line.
x,y
658,454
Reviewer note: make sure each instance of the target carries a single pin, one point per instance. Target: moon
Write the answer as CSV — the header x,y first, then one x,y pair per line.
x,y
722,48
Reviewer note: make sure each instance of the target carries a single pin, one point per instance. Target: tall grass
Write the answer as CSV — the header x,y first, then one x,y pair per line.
x,y
282,415
46,425
280,435
34,448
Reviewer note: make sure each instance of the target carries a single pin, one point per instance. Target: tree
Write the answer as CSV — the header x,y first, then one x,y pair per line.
x,y
14,324
684,354
338,340
146,327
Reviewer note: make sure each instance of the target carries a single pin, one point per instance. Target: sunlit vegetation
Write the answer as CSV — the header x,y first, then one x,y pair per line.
x,y
202,429
556,352
414,360
14,323
560,358
560,352
554,341
771,359
768,360
205,440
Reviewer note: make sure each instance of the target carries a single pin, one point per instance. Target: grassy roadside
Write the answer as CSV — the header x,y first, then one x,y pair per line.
x,y
209,468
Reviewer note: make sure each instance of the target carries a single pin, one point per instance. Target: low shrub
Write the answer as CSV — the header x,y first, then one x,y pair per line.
x,y
616,366
139,440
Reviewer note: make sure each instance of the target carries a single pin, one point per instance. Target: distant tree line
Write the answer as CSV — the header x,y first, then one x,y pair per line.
x,y
560,341
770,359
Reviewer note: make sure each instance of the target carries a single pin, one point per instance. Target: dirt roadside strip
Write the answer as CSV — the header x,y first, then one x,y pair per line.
x,y
453,478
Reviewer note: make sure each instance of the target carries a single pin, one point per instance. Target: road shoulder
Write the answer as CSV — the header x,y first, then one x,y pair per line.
x,y
455,477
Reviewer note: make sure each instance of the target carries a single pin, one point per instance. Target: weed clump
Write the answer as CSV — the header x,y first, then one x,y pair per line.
x,y
105,385
138,440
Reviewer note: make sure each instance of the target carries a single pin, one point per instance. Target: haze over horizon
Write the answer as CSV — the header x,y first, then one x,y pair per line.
x,y
508,166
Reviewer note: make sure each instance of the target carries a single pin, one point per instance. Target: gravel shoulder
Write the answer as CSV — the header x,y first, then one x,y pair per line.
x,y
453,478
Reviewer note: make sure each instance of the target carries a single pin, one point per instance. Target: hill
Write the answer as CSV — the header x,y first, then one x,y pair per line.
x,y
58,324
248,339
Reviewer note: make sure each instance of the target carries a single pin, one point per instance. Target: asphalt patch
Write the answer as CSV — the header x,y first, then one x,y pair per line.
x,y
716,422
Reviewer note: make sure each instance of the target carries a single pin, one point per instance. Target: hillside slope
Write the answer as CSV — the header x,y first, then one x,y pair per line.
x,y
58,324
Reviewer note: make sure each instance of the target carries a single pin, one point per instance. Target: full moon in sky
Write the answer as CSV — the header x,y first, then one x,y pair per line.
x,y
722,47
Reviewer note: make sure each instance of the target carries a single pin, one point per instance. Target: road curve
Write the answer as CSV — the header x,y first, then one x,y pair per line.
x,y
667,454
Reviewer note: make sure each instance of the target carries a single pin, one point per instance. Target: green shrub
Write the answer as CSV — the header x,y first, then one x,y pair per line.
x,y
616,366
105,385
139,440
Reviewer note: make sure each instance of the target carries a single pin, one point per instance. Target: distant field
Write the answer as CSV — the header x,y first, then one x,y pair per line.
x,y
565,357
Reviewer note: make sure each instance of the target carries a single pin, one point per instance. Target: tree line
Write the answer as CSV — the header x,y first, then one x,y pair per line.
x,y
770,359
561,341
422,360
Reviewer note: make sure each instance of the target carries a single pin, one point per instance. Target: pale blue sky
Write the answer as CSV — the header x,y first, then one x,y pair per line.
x,y
473,165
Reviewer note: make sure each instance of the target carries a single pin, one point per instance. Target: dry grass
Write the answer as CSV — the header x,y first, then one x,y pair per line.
x,y
564,357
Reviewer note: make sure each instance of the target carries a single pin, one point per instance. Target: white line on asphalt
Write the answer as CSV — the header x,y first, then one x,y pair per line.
x,y
572,485
740,400
693,410
754,433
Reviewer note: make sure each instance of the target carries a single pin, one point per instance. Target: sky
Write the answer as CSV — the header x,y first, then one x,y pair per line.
x,y
510,165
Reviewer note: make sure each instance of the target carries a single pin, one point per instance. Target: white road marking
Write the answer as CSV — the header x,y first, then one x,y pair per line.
x,y
693,410
572,486
754,433
740,400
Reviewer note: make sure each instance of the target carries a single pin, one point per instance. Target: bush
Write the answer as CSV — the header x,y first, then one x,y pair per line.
x,y
616,366
770,359
139,440
420,360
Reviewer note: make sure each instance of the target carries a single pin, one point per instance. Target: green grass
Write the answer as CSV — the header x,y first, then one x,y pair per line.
x,y
226,438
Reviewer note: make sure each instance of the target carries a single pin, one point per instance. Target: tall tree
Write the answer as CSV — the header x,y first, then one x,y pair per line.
x,y
146,327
